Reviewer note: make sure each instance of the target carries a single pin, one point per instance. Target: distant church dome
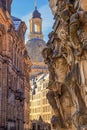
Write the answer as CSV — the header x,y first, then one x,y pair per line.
x,y
36,14
35,47
36,44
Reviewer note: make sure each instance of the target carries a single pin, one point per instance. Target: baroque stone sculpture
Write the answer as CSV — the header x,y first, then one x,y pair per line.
x,y
66,57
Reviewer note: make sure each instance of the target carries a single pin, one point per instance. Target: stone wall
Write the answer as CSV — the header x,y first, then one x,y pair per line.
x,y
14,74
66,57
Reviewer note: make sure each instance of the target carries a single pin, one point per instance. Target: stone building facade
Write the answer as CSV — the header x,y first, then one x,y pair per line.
x,y
66,57
40,125
39,106
14,72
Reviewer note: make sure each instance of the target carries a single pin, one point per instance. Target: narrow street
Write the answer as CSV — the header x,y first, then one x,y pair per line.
x,y
43,65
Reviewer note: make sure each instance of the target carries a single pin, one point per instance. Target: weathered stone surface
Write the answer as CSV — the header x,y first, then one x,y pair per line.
x,y
14,73
65,56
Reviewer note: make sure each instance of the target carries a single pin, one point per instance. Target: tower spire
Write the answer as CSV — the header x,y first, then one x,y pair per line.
x,y
35,4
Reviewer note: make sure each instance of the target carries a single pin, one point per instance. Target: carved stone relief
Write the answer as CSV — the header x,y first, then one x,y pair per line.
x,y
66,57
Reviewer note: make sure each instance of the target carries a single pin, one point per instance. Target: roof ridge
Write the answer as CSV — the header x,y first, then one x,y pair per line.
x,y
15,18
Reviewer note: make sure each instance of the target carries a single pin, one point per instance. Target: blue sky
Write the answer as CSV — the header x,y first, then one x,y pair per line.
x,y
23,9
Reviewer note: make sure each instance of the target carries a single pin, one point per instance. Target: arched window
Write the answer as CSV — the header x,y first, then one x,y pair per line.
x,y
36,28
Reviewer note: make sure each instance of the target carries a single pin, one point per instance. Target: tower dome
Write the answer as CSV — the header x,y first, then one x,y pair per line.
x,y
36,14
35,47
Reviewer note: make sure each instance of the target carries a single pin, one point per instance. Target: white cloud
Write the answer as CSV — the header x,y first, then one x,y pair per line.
x,y
47,20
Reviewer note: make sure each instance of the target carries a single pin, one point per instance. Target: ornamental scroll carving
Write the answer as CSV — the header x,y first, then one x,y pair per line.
x,y
66,57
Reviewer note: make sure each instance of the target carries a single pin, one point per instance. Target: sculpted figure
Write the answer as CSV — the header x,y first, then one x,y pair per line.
x,y
73,80
56,47
74,26
58,94
59,66
78,82
80,117
66,57
54,90
70,15
77,22
47,54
